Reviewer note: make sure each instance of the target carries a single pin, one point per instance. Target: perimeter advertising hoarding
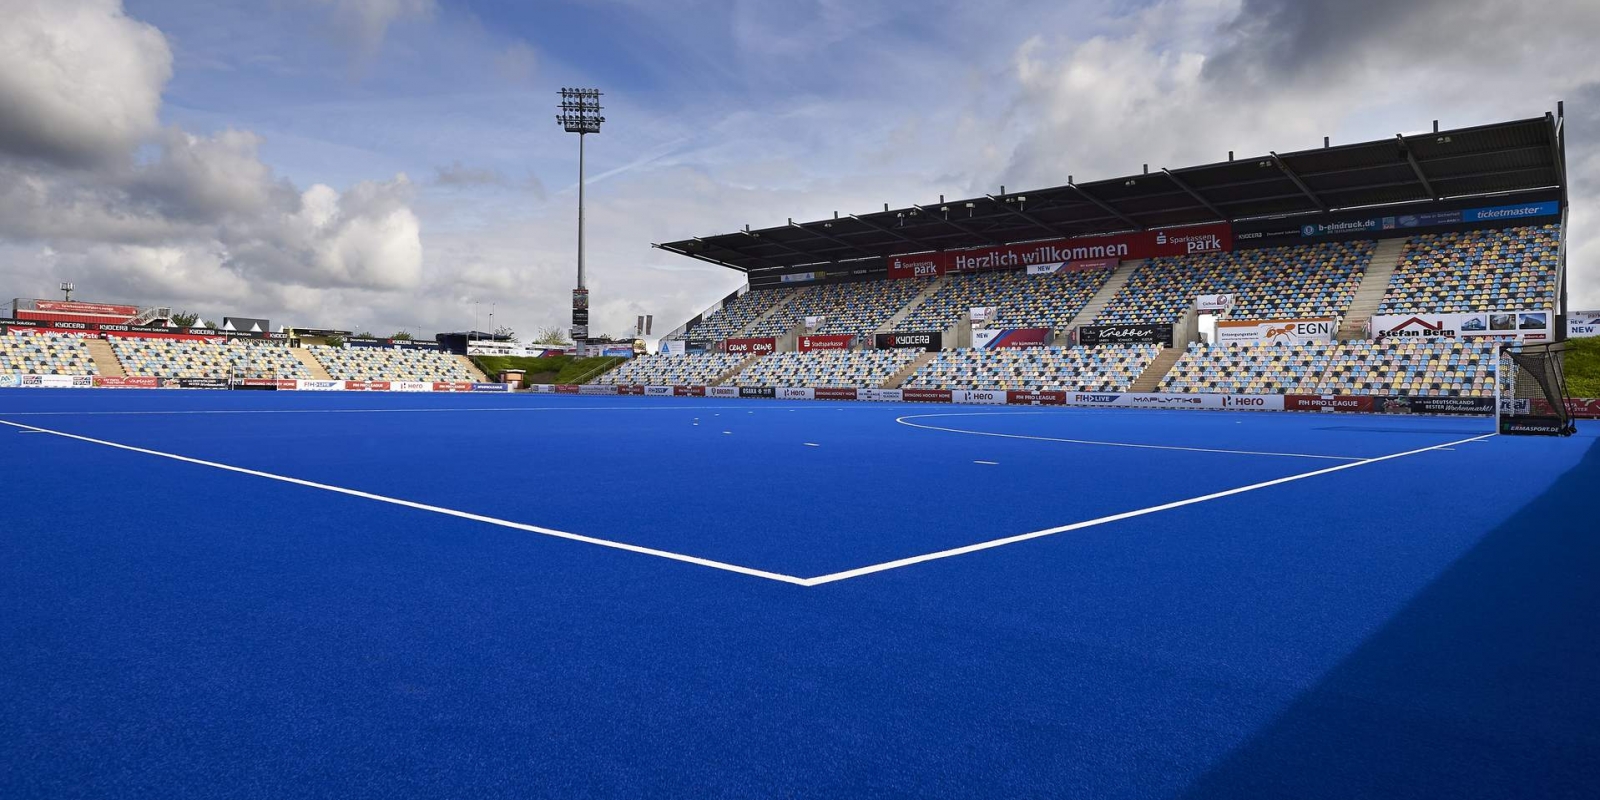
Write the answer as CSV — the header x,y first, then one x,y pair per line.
x,y
1019,397
1533,326
1582,324
982,397
1277,331
796,393
689,391
925,395
129,382
658,391
880,395
842,341
1035,256
761,345
1135,333
765,392
919,340
1243,402
597,389
1000,338
722,391
836,393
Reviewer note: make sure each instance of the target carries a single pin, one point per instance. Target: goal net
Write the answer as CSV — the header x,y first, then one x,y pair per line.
x,y
1531,391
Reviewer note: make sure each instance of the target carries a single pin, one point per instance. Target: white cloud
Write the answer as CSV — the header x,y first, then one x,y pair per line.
x,y
80,83
368,21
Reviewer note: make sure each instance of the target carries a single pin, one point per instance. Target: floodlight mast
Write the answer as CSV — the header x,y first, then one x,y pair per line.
x,y
580,114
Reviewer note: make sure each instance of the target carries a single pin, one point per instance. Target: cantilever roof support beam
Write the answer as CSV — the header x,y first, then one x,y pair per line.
x,y
830,237
1184,185
1415,167
707,259
1105,206
1012,207
892,232
1304,189
958,226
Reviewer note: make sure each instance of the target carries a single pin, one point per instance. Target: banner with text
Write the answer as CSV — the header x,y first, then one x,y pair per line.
x,y
925,340
1277,331
1533,326
840,341
1093,252
1583,324
1001,338
1136,333
760,345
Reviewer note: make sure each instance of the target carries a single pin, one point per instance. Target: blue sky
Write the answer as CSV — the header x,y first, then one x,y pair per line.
x,y
430,123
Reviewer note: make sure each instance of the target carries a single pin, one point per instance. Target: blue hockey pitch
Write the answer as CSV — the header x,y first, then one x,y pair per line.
x,y
255,594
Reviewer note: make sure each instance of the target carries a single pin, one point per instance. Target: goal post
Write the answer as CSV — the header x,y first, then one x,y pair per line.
x,y
1531,391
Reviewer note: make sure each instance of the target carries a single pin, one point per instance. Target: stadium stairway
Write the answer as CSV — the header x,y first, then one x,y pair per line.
x,y
1097,303
472,369
729,375
776,307
908,370
1158,369
890,325
317,370
1374,284
105,359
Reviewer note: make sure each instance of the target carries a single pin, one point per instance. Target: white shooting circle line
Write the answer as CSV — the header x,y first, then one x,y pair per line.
x,y
905,421
1090,523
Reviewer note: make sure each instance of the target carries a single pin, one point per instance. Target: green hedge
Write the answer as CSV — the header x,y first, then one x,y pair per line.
x,y
1583,367
555,369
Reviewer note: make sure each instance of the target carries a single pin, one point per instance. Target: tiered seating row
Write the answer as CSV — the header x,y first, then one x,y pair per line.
x,y
45,354
853,308
1108,368
169,358
1318,280
389,364
1436,368
659,370
1021,300
735,315
830,368
1505,269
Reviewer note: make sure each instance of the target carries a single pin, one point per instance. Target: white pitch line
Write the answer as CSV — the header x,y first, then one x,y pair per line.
x,y
993,543
449,512
990,463
902,421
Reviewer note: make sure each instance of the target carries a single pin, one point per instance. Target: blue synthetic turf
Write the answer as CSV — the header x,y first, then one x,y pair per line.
x,y
1418,627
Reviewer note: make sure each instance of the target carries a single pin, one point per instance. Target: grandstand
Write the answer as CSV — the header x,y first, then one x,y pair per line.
x,y
1479,270
826,368
1398,368
45,354
1020,300
1108,368
845,308
389,364
175,358
672,370
1316,280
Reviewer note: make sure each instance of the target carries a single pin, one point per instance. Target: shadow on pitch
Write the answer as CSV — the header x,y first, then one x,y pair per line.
x,y
1483,686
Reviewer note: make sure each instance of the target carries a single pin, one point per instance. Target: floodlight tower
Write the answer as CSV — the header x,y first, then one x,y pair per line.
x,y
580,114
67,287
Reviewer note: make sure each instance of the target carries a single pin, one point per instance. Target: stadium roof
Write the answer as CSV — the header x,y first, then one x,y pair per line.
x,y
1505,157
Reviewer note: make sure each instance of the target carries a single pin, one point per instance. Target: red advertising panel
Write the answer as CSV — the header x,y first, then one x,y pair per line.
x,y
564,388
926,395
131,382
760,345
75,307
452,386
926,265
1027,398
1084,252
631,389
689,391
1304,402
840,341
827,393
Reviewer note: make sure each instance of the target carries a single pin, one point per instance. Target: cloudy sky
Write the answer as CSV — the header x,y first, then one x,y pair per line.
x,y
386,164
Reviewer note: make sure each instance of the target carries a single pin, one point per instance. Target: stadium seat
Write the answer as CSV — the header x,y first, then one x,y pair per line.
x,y
177,358
44,354
1318,280
865,368
1505,269
1110,367
1020,300
389,364
673,370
